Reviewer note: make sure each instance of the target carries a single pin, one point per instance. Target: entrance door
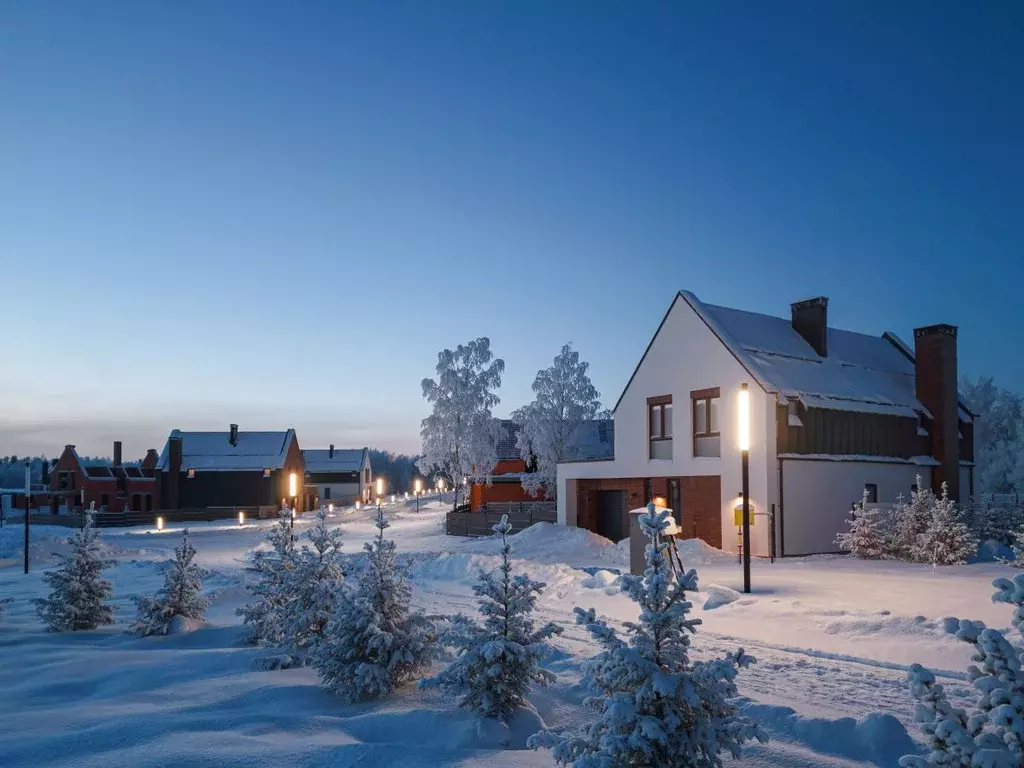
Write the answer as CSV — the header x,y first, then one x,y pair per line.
x,y
675,500
611,515
702,500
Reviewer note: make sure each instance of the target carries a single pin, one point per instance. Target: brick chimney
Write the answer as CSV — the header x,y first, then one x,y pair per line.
x,y
151,459
330,451
233,436
935,374
117,453
170,495
810,320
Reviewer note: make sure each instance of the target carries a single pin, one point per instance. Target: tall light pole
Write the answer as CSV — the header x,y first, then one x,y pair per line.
x,y
743,421
418,485
380,491
28,504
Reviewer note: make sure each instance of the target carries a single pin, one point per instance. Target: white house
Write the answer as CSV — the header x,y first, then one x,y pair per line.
x,y
833,413
341,475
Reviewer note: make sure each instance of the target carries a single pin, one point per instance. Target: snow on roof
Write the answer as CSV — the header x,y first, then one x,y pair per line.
x,y
214,451
861,373
344,459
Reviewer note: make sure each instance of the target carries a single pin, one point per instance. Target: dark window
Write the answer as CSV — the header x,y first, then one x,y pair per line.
x,y
327,492
707,440
149,502
659,426
872,491
104,500
366,475
913,488
648,491
136,502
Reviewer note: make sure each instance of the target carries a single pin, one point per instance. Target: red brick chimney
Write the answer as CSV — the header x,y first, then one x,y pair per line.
x,y
935,374
810,320
151,459
117,453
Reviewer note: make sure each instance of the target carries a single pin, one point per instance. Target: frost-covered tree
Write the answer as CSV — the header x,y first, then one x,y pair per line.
x,y
78,591
460,436
181,595
998,435
995,522
947,539
265,616
374,642
908,522
658,708
566,401
991,733
313,586
865,537
498,658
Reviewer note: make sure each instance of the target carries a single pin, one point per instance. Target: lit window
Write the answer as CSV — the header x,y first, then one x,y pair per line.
x,y
266,473
191,473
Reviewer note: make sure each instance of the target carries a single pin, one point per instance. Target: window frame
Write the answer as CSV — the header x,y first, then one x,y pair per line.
x,y
701,398
872,489
656,405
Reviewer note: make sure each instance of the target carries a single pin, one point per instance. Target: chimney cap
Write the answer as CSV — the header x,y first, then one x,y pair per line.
x,y
811,302
943,329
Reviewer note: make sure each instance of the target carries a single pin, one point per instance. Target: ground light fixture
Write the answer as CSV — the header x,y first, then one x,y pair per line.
x,y
380,487
241,518
159,523
419,486
743,440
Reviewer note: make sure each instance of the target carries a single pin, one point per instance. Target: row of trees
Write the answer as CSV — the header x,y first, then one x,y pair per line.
x,y
461,434
998,435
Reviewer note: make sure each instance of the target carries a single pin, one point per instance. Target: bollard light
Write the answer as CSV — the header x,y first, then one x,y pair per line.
x,y
357,504
241,518
159,523
330,508
380,487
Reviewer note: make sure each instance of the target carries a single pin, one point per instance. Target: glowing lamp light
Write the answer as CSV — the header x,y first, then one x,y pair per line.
x,y
392,498
440,484
380,487
419,486
330,508
292,510
357,504
743,418
293,484
159,523
660,501
241,518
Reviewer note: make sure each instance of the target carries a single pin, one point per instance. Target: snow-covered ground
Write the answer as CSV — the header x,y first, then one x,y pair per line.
x,y
832,636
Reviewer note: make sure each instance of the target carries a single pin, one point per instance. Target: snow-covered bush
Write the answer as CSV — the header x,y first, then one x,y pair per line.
x,y
658,708
374,642
181,594
865,538
993,522
313,586
78,592
265,617
991,734
946,540
498,658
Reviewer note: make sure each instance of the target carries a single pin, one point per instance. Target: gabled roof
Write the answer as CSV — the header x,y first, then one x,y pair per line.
x,y
344,459
862,373
213,451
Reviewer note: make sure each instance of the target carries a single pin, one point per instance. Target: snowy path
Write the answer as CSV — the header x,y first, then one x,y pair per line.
x,y
832,638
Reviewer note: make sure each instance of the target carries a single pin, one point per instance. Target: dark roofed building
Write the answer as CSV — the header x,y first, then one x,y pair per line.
x,y
110,485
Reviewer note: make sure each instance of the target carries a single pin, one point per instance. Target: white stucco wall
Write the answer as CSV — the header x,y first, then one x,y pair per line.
x,y
965,485
685,356
818,496
339,492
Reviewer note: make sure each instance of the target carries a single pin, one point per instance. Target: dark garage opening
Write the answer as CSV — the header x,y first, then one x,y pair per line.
x,y
611,515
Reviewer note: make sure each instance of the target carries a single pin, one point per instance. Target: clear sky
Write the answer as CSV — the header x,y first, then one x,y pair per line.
x,y
277,213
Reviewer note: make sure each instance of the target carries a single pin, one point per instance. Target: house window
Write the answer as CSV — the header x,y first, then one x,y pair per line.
x,y
327,493
136,502
266,473
871,489
366,475
190,474
707,439
104,501
149,502
659,426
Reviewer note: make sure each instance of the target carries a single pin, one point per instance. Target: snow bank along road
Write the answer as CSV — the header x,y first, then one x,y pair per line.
x,y
832,636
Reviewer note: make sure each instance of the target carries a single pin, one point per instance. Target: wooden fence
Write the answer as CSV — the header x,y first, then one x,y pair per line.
x,y
462,522
195,515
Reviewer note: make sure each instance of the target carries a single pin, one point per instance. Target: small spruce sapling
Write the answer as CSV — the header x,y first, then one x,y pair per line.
x,y
265,616
499,658
864,539
181,594
991,733
78,591
314,585
657,707
910,521
946,540
374,642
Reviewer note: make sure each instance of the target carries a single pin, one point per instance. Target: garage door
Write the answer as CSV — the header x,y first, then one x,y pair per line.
x,y
611,515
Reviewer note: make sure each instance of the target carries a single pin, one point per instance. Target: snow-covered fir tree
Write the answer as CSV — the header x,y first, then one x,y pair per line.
x,y
1018,548
565,402
313,586
909,521
78,591
181,595
995,522
658,708
374,642
865,538
991,733
498,658
946,540
460,436
265,616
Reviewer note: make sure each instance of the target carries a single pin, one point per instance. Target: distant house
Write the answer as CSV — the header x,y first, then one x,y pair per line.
x,y
233,470
110,485
833,414
341,475
594,440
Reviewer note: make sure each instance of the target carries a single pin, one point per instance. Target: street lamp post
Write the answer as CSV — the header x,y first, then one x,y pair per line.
x,y
28,503
418,486
380,491
743,420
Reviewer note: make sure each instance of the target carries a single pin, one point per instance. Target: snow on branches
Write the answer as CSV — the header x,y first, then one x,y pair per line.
x,y
78,592
265,616
865,538
657,708
181,595
373,643
946,540
498,658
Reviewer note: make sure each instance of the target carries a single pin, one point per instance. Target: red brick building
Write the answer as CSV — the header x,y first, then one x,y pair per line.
x,y
109,485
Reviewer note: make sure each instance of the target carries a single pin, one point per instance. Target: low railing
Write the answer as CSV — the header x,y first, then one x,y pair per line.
x,y
521,515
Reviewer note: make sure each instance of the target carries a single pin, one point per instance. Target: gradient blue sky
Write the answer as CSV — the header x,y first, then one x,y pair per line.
x,y
277,213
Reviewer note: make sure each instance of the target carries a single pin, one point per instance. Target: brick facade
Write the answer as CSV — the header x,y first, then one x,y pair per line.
x,y
935,367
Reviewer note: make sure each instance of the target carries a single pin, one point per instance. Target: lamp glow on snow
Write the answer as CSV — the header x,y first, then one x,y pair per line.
x,y
293,484
159,523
